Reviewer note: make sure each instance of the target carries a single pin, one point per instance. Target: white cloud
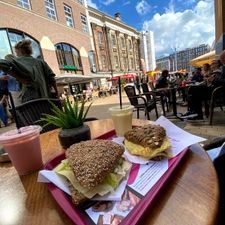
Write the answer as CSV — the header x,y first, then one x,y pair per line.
x,y
171,7
126,3
142,7
107,2
182,30
92,4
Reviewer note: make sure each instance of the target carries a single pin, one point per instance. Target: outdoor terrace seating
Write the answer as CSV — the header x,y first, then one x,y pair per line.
x,y
140,103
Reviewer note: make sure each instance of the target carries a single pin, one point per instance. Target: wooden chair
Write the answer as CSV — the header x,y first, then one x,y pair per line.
x,y
146,106
217,100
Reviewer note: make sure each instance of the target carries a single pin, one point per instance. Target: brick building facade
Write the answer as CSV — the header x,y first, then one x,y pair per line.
x,y
116,44
60,28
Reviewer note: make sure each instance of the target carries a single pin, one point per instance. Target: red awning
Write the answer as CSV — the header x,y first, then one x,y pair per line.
x,y
125,76
128,76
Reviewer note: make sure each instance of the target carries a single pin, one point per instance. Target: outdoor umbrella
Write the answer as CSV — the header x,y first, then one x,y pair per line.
x,y
125,76
128,76
183,71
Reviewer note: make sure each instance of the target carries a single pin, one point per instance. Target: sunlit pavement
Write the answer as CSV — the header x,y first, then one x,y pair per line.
x,y
100,106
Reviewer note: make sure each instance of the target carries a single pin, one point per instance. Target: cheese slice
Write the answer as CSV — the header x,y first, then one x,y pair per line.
x,y
147,152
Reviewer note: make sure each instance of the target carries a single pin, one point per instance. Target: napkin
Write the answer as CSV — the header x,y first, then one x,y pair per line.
x,y
179,140
49,176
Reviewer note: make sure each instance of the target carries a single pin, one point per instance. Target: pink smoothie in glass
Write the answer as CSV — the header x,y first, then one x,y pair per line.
x,y
23,148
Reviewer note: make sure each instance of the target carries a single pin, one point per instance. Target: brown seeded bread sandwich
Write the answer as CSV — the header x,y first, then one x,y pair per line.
x,y
94,167
149,141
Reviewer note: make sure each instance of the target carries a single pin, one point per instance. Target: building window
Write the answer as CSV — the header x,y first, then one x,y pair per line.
x,y
84,23
92,61
124,63
113,40
68,57
24,4
80,2
8,39
116,62
104,64
50,8
69,16
131,63
100,38
122,42
130,45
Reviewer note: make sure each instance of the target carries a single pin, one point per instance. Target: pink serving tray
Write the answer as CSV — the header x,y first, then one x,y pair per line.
x,y
79,217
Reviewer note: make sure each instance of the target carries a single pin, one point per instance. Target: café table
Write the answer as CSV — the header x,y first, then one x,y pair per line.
x,y
190,196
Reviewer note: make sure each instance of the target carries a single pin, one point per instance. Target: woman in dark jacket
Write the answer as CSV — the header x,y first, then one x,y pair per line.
x,y
36,76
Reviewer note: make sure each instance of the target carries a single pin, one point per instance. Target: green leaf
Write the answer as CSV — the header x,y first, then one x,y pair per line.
x,y
71,110
56,110
81,110
86,112
67,117
56,121
75,108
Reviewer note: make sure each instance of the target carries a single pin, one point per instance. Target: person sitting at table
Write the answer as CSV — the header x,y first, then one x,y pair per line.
x,y
206,70
199,93
162,82
197,77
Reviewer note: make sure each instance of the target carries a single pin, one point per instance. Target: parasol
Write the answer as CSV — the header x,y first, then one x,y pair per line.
x,y
125,76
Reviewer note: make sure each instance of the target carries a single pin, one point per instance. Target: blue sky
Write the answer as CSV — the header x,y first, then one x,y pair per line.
x,y
176,23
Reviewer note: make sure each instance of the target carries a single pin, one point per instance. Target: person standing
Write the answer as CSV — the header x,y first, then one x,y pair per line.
x,y
35,75
14,86
3,99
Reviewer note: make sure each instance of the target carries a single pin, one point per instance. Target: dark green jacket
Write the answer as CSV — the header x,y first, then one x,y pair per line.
x,y
36,71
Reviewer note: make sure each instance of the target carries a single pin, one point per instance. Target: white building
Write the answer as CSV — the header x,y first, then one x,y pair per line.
x,y
148,49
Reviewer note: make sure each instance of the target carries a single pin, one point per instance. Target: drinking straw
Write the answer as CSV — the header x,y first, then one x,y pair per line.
x,y
14,113
120,93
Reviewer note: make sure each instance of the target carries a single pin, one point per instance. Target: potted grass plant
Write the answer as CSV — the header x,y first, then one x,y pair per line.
x,y
71,121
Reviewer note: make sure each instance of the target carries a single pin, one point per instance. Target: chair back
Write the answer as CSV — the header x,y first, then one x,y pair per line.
x,y
144,87
217,100
151,86
28,113
145,90
130,91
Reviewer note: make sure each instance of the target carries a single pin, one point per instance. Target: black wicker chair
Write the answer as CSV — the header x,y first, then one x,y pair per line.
x,y
30,112
144,105
217,100
159,96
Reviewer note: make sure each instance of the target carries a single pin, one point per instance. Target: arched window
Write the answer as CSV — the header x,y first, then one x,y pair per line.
x,y
8,39
92,61
68,57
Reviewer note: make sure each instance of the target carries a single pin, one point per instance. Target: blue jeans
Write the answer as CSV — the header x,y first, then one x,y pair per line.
x,y
3,115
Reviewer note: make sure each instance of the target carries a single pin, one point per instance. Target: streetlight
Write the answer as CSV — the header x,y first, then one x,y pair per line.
x,y
175,57
175,52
